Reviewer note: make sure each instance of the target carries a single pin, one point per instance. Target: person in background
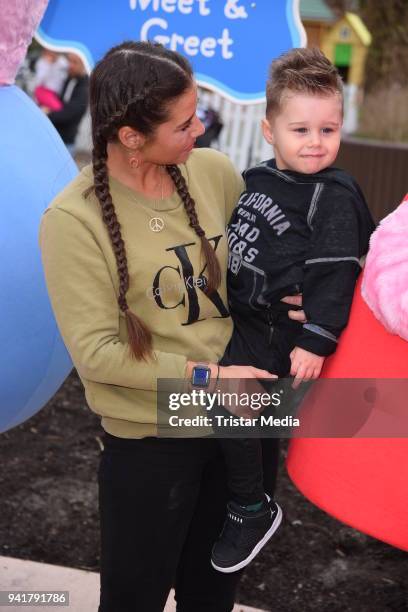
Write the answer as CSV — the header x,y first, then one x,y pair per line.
x,y
74,98
212,123
50,74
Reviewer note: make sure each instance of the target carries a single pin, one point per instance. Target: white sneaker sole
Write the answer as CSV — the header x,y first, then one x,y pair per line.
x,y
255,551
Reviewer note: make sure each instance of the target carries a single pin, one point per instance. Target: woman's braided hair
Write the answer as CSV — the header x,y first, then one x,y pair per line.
x,y
133,86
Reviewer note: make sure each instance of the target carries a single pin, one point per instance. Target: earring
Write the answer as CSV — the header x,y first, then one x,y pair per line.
x,y
134,163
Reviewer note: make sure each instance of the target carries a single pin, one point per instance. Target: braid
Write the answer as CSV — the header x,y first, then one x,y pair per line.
x,y
102,192
133,85
140,338
214,270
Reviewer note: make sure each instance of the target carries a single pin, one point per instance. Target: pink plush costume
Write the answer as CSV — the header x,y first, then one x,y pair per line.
x,y
363,481
19,21
385,283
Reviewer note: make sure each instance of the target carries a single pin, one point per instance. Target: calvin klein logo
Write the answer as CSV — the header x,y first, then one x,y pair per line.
x,y
164,288
192,284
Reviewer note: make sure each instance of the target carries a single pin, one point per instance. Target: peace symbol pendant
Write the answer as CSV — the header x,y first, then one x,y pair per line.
x,y
156,224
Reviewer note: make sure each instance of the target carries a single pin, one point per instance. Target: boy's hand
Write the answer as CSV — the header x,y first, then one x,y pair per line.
x,y
305,366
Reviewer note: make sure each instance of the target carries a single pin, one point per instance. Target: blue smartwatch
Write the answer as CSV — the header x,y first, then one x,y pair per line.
x,y
201,376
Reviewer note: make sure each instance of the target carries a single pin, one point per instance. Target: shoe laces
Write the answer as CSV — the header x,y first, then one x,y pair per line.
x,y
232,528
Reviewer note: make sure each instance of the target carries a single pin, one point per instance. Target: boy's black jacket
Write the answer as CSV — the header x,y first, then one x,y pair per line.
x,y
292,232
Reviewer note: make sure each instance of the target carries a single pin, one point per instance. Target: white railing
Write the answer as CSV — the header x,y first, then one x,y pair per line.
x,y
241,137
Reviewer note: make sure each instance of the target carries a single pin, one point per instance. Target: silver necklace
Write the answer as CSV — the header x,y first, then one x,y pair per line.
x,y
156,223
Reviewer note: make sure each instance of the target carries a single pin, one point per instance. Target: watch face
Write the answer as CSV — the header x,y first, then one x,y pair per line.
x,y
201,376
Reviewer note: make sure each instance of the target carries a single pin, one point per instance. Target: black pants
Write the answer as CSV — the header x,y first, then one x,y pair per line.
x,y
244,460
162,506
243,457
269,350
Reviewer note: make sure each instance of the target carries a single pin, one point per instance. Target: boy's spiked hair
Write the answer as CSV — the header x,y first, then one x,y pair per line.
x,y
301,71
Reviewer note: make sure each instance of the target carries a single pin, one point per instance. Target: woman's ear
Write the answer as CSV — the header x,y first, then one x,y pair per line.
x,y
267,131
130,138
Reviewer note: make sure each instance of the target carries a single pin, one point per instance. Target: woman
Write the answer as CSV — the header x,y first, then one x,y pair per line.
x,y
135,253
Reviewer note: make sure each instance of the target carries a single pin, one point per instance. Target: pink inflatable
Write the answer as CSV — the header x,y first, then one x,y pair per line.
x,y
364,481
19,21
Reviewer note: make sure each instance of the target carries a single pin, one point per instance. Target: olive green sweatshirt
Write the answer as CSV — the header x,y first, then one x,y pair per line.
x,y
167,280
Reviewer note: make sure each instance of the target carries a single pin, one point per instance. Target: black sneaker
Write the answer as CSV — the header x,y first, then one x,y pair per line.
x,y
243,535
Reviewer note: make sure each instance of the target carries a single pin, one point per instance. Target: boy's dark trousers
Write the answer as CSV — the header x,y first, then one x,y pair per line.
x,y
244,460
243,456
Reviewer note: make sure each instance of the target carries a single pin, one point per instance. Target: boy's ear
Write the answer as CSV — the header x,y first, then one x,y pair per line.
x,y
267,131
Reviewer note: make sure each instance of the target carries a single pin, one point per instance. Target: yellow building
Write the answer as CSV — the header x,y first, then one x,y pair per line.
x,y
317,19
344,41
346,45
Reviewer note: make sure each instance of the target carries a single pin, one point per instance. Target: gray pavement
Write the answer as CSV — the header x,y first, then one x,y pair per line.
x,y
83,587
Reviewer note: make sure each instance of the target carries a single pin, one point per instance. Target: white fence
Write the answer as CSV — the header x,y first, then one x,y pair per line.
x,y
241,137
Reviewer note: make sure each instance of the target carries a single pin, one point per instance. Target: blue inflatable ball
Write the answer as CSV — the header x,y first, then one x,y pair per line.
x,y
34,167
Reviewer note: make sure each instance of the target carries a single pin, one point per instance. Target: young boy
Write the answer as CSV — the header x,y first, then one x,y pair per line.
x,y
300,226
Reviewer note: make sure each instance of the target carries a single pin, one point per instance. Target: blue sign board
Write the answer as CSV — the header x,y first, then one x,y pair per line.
x,y
230,43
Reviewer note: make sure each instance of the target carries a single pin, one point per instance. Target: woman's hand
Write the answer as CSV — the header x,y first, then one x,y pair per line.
x,y
240,372
243,381
237,380
234,371
295,300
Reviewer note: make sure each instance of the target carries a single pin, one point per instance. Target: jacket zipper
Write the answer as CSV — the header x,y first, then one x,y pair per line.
x,y
271,328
